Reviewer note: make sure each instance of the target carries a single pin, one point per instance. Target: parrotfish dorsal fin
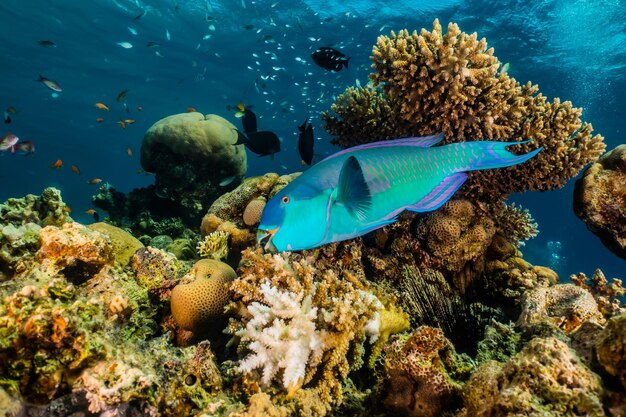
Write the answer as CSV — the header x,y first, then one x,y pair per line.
x,y
353,190
419,142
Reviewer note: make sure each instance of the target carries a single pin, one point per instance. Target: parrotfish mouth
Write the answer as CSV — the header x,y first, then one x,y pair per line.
x,y
264,238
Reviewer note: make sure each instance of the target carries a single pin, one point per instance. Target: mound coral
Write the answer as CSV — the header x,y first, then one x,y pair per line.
x,y
434,82
199,304
565,306
544,379
611,348
191,155
124,245
299,326
600,199
253,211
420,384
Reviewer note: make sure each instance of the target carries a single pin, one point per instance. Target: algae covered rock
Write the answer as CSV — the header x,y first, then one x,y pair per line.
x,y
194,159
611,348
45,210
544,379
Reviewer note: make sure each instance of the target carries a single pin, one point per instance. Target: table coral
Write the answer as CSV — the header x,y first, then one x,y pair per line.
x,y
450,82
600,199
191,155
544,379
419,383
565,306
200,303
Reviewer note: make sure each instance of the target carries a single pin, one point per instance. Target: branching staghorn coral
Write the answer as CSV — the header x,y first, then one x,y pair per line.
x,y
434,82
302,327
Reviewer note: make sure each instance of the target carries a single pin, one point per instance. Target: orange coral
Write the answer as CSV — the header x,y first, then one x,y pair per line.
x,y
434,82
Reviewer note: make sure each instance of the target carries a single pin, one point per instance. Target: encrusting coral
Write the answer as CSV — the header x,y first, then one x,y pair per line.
x,y
124,244
600,199
434,82
418,373
544,379
200,304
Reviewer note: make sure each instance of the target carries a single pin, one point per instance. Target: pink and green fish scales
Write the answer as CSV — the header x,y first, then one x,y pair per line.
x,y
365,187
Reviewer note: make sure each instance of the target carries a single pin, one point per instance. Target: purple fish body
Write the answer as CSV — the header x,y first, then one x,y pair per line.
x,y
365,187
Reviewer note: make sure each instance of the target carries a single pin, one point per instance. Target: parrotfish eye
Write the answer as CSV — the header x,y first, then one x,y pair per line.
x,y
285,199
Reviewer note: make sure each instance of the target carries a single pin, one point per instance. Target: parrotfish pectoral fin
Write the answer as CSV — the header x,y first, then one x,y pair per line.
x,y
353,191
495,155
440,194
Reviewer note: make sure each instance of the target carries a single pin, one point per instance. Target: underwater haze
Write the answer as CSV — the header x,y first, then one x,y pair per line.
x,y
211,55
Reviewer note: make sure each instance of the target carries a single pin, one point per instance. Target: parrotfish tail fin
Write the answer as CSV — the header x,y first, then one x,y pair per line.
x,y
40,78
440,194
494,154
347,61
353,190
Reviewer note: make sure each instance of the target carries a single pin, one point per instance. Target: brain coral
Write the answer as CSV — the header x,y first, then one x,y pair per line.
x,y
434,82
600,199
191,155
197,304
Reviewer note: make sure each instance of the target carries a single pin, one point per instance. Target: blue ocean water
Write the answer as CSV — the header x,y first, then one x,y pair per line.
x,y
217,53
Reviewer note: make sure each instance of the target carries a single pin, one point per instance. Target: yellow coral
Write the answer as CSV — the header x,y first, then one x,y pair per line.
x,y
214,245
197,304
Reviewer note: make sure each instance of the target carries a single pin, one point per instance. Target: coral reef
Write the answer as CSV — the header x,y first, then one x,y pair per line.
x,y
75,250
214,245
434,82
420,384
300,326
564,306
607,295
611,348
45,210
236,212
192,155
544,379
600,199
143,213
124,245
200,304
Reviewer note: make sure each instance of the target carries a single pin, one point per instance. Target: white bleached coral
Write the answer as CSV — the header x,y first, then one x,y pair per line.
x,y
282,335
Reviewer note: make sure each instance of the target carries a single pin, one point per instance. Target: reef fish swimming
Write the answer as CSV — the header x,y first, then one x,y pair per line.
x,y
330,59
363,188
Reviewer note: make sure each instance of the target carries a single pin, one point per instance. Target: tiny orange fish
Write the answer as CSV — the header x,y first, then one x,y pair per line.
x,y
90,211
67,209
75,169
102,106
122,124
129,151
99,119
191,109
57,164
129,121
94,181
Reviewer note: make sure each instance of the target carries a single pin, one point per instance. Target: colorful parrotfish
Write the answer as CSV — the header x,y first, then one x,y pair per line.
x,y
363,188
